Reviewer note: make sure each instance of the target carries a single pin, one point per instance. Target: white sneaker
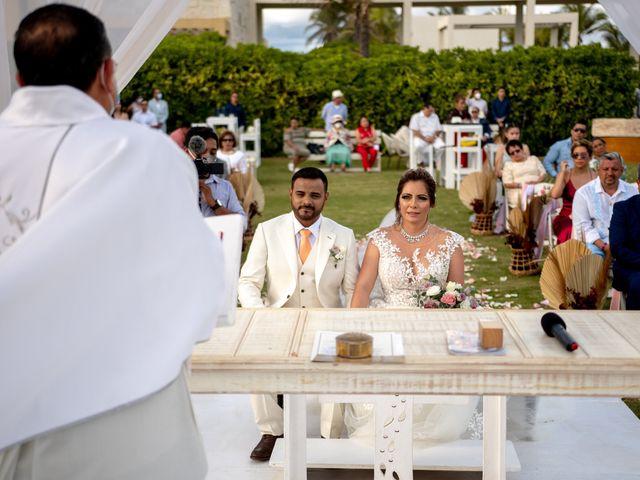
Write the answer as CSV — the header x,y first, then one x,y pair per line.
x,y
290,166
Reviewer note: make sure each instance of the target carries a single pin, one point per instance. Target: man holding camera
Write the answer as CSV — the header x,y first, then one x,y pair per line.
x,y
217,196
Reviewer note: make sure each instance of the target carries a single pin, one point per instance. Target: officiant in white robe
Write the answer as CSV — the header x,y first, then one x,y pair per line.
x,y
108,275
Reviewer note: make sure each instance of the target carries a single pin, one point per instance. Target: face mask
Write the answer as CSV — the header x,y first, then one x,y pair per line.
x,y
158,96
477,96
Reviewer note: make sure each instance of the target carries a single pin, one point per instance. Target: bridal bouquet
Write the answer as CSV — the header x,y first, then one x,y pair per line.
x,y
432,295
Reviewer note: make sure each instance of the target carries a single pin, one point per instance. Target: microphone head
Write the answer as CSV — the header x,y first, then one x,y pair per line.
x,y
197,145
550,319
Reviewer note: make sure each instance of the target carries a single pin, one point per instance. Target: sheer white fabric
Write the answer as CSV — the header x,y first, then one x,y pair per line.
x,y
401,269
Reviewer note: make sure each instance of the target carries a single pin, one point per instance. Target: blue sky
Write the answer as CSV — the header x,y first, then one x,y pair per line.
x,y
285,28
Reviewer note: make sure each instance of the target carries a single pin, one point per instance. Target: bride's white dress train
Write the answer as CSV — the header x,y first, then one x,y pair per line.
x,y
401,273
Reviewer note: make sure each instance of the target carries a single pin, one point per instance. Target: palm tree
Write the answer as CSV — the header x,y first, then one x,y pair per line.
x,y
614,37
328,22
362,25
385,25
591,18
452,11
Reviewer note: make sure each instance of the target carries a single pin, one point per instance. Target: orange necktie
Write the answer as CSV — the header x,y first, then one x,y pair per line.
x,y
305,244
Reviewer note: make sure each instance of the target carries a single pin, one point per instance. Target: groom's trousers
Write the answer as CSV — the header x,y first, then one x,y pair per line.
x,y
270,420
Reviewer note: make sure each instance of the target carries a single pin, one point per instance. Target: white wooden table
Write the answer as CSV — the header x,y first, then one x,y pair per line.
x,y
268,351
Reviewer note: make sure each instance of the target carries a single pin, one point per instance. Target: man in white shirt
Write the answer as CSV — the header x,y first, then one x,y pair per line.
x,y
426,129
335,107
593,203
146,117
307,261
160,108
108,274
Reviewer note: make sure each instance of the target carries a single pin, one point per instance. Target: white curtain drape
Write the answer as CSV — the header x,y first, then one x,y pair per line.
x,y
135,28
626,15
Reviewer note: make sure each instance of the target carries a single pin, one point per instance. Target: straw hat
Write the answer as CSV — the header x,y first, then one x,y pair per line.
x,y
336,118
336,94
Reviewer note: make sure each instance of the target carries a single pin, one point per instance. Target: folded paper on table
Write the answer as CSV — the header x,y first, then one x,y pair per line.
x,y
387,347
468,343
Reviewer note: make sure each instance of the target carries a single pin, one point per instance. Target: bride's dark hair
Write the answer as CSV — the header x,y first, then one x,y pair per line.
x,y
416,175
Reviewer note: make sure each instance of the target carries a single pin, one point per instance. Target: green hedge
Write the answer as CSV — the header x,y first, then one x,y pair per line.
x,y
549,87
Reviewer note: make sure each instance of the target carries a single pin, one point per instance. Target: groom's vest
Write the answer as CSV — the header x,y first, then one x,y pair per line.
x,y
306,293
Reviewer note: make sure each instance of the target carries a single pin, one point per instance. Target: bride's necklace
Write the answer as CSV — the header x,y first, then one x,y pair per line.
x,y
414,238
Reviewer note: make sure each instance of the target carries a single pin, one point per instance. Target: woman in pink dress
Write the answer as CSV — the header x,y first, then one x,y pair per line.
x,y
567,182
366,141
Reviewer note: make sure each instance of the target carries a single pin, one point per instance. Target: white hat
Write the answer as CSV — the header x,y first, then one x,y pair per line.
x,y
337,118
336,94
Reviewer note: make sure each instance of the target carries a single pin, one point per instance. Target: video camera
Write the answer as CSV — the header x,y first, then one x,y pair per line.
x,y
198,146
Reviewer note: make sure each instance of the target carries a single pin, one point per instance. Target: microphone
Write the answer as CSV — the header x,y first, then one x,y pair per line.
x,y
197,145
554,326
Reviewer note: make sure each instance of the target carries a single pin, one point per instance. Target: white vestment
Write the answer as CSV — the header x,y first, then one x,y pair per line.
x,y
108,274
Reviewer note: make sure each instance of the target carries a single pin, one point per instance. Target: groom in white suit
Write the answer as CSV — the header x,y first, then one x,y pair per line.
x,y
307,261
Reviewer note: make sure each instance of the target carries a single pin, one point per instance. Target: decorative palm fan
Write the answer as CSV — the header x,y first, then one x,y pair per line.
x,y
581,280
517,224
556,268
472,188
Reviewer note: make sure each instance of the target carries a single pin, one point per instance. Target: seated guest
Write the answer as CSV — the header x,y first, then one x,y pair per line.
x,y
338,145
228,152
567,182
593,204
120,113
294,144
520,173
599,146
501,108
459,111
179,135
366,143
146,117
624,233
512,132
486,128
561,150
426,129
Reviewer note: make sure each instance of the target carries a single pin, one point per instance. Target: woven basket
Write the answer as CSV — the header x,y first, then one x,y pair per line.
x,y
522,263
483,224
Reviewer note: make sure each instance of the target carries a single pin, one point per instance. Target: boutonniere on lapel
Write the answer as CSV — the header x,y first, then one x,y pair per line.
x,y
337,253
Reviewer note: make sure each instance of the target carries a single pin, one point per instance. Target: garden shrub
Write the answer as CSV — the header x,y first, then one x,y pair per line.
x,y
549,87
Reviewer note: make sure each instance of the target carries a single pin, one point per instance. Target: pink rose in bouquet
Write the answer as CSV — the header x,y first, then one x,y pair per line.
x,y
449,299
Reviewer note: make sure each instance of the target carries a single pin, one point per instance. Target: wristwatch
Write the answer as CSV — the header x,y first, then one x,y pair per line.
x,y
217,205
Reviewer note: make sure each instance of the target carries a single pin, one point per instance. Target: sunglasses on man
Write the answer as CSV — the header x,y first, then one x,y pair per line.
x,y
580,130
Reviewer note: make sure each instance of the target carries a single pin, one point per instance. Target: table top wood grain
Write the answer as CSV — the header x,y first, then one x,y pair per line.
x,y
268,350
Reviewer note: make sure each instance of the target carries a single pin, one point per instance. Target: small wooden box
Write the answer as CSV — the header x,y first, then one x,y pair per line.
x,y
490,334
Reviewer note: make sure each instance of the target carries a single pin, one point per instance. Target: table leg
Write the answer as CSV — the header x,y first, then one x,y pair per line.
x,y
494,430
393,437
295,437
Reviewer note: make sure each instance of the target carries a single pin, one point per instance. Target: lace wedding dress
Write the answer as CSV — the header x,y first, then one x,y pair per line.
x,y
401,270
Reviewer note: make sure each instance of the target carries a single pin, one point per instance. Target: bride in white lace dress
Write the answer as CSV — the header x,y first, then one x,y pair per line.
x,y
402,256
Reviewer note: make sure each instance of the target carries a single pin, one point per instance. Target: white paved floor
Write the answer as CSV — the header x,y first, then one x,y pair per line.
x,y
598,439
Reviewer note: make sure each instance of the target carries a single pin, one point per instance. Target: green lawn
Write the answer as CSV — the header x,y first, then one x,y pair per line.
x,y
360,201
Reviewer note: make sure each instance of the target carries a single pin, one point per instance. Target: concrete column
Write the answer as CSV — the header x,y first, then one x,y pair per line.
x,y
530,26
573,34
243,22
259,26
406,22
553,40
519,29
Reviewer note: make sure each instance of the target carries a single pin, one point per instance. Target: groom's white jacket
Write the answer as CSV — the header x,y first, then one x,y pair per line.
x,y
273,257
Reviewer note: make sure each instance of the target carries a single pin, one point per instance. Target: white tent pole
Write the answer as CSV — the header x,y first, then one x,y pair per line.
x,y
5,74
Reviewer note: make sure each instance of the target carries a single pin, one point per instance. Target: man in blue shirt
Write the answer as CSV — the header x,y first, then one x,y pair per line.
x,y
334,107
234,108
561,150
501,108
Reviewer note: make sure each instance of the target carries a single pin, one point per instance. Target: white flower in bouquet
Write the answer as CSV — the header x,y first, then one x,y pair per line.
x,y
452,287
433,290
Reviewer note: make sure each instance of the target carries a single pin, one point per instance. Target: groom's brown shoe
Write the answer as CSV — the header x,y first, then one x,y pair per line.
x,y
263,450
